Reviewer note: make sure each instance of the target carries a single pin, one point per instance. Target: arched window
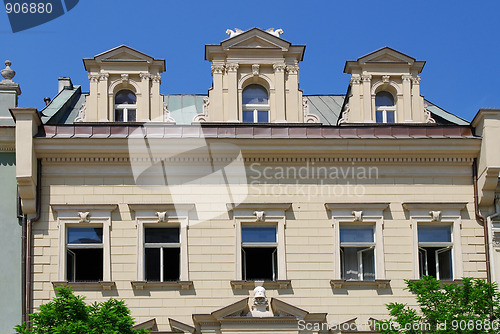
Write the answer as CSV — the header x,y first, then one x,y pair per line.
x,y
125,106
255,104
385,107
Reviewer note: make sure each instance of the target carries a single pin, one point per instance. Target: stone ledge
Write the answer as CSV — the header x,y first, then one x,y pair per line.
x,y
457,281
77,285
378,283
141,285
279,284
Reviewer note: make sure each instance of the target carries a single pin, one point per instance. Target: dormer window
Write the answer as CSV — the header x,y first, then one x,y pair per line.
x,y
385,107
255,104
125,106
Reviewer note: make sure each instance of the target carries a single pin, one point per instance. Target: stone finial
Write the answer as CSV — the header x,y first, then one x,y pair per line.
x,y
7,72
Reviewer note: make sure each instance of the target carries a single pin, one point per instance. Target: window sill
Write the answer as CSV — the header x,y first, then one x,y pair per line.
x,y
341,283
141,285
78,285
457,281
279,284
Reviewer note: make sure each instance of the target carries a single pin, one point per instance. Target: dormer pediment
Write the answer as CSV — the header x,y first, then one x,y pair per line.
x,y
255,38
386,57
123,54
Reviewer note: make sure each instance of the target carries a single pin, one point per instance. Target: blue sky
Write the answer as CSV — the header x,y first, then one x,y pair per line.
x,y
458,39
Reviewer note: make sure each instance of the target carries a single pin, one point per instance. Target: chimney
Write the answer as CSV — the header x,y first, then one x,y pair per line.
x,y
64,82
9,92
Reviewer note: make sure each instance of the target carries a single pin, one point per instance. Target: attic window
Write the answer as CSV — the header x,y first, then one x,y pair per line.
x,y
385,107
255,104
125,106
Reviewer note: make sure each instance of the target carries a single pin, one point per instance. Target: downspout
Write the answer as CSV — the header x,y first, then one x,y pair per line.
x,y
24,221
484,221
490,231
29,281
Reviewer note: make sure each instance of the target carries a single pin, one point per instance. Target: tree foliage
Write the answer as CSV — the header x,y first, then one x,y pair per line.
x,y
472,307
68,314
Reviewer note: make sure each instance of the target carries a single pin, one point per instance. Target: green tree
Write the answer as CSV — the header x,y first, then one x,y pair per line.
x,y
472,307
68,314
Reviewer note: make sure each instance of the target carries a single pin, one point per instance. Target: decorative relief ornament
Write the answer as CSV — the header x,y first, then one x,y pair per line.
x,y
358,216
81,114
156,78
260,305
255,69
259,216
386,78
125,77
94,77
345,114
366,77
162,217
416,80
204,116
217,69
279,67
234,33
166,114
276,32
308,118
435,216
84,217
292,69
428,116
406,77
355,80
7,73
103,76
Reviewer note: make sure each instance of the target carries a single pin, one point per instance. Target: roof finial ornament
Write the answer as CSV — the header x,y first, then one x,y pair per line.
x,y
232,33
7,72
276,32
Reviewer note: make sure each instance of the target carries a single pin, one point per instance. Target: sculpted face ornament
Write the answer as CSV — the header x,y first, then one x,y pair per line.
x,y
259,296
260,306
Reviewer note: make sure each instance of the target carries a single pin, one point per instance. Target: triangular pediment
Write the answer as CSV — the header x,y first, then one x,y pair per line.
x,y
256,39
386,55
123,53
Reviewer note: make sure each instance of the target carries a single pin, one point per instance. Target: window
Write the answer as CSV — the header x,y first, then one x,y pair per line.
x,y
255,104
259,253
385,107
357,253
125,106
435,251
162,254
84,254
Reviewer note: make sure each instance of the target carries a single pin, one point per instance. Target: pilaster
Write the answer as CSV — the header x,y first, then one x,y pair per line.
x,y
102,105
407,99
232,91
279,77
367,97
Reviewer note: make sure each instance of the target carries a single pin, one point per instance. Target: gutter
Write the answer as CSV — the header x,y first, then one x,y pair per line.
x,y
484,221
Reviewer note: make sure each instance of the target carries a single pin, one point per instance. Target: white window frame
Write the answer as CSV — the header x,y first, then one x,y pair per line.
x,y
260,214
435,214
124,108
367,245
163,245
81,216
162,215
260,244
359,214
256,108
384,110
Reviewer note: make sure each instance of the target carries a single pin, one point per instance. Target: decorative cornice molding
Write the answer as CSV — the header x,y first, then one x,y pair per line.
x,y
7,148
411,160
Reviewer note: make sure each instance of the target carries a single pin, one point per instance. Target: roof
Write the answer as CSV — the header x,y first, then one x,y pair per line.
x,y
63,109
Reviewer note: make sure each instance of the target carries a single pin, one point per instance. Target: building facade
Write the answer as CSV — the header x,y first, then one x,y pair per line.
x,y
256,208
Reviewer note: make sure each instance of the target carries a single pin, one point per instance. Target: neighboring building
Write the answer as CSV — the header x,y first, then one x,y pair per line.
x,y
182,205
10,226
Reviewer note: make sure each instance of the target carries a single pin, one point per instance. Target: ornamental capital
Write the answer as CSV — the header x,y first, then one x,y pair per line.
x,y
232,67
366,77
144,75
416,80
292,69
217,69
103,76
279,67
355,80
93,77
156,78
406,77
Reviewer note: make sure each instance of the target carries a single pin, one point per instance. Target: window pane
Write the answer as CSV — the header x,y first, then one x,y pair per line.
x,y
258,234
444,264
255,94
171,264
384,99
248,116
368,264
130,115
84,265
118,115
262,116
379,116
390,116
84,235
259,263
356,234
125,96
152,263
434,234
162,235
349,263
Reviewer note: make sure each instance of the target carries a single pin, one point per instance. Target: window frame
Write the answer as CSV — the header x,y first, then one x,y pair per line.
x,y
364,245
260,245
385,109
162,215
449,214
70,247
124,107
255,108
359,214
84,216
161,246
